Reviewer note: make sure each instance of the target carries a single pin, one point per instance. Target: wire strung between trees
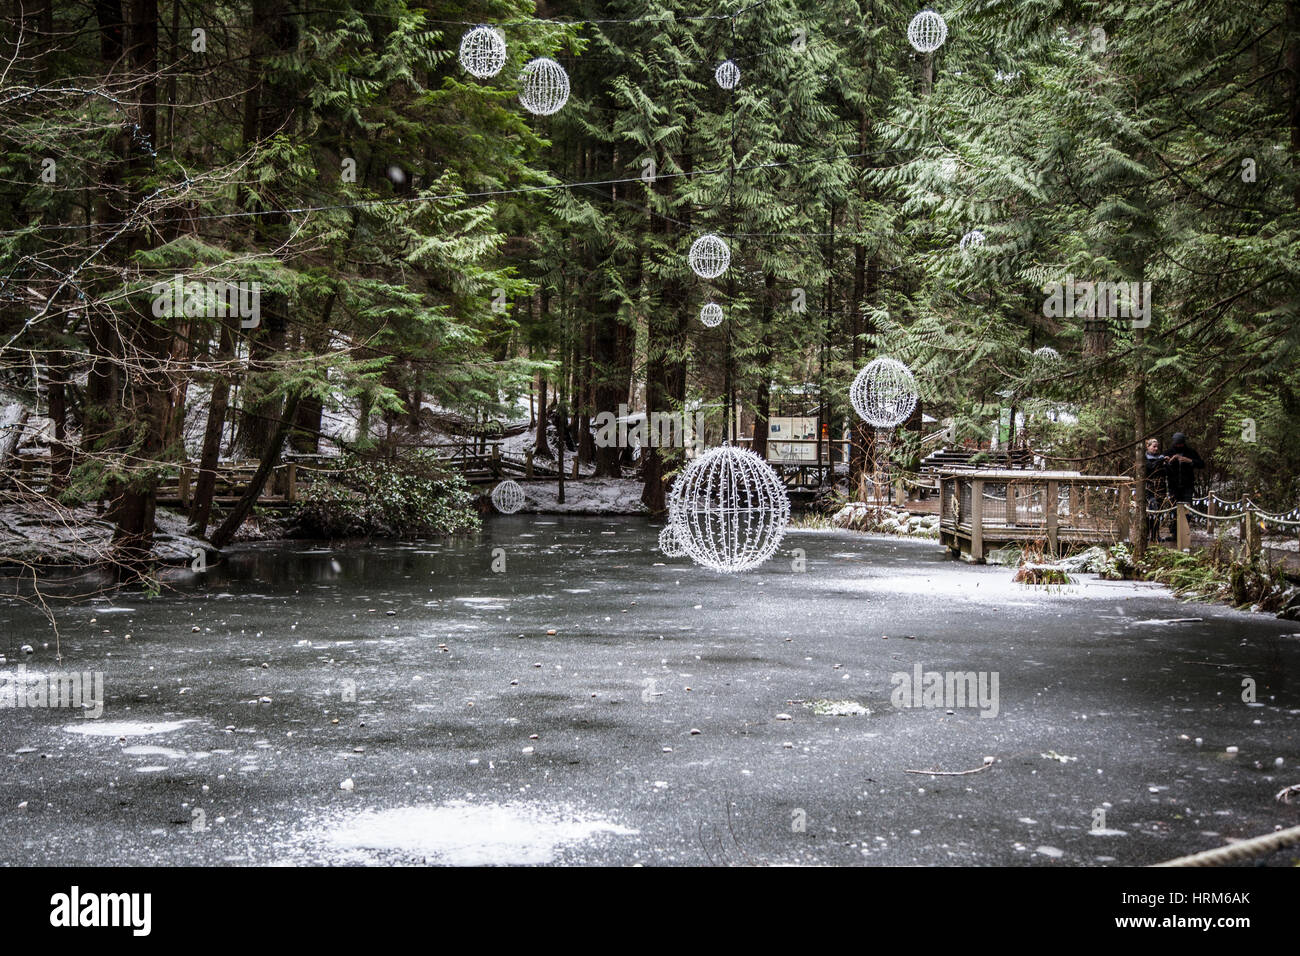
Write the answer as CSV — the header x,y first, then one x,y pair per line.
x,y
406,200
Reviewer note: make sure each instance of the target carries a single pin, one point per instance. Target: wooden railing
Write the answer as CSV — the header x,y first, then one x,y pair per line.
x,y
478,461
1055,510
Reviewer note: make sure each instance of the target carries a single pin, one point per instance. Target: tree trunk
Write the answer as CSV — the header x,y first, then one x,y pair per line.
x,y
763,395
13,422
132,508
541,443
270,457
218,403
1139,451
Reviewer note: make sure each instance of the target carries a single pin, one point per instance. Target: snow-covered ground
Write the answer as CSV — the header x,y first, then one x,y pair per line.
x,y
590,496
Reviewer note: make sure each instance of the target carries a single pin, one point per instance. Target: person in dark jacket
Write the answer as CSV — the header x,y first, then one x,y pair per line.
x,y
1156,488
1181,462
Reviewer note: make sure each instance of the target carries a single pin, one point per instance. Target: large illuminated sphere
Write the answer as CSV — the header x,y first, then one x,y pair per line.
x,y
668,543
884,393
482,52
508,497
927,31
711,314
1046,356
971,239
727,74
543,87
710,256
729,510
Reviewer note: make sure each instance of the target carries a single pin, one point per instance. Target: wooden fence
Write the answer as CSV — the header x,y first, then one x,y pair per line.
x,y
480,462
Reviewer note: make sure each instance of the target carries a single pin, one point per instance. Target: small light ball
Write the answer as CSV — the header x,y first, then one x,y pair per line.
x,y
543,87
508,497
927,31
971,240
668,543
482,52
710,256
711,314
884,393
727,74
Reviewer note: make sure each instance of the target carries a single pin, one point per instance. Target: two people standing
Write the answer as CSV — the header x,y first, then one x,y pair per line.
x,y
1170,477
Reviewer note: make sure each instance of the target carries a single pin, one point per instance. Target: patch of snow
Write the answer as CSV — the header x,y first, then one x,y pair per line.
x,y
125,728
463,834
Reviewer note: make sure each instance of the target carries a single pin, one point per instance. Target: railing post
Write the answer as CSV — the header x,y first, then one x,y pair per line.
x,y
977,521
1052,505
291,488
1123,500
496,460
1253,543
1183,534
183,487
1011,505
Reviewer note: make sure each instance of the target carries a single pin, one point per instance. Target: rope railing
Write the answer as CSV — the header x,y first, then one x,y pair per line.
x,y
1240,851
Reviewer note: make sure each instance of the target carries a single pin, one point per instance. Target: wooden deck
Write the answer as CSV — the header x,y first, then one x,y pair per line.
x,y
1053,510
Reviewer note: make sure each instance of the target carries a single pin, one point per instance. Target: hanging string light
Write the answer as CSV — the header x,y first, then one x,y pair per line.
x,y
727,74
709,256
482,52
543,87
927,31
884,393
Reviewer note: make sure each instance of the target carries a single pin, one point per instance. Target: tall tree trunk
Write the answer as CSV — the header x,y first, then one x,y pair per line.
x,y
1139,451
132,508
57,401
270,457
218,403
763,395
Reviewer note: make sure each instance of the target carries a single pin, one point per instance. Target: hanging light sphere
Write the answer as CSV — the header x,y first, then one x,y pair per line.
x,y
1046,355
729,510
727,74
710,256
711,314
508,497
543,87
971,239
482,52
668,543
884,393
927,31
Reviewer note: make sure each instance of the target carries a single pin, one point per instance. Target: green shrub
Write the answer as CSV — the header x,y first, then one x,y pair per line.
x,y
411,497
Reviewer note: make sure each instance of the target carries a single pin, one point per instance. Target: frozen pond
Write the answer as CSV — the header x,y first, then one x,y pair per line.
x,y
406,703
